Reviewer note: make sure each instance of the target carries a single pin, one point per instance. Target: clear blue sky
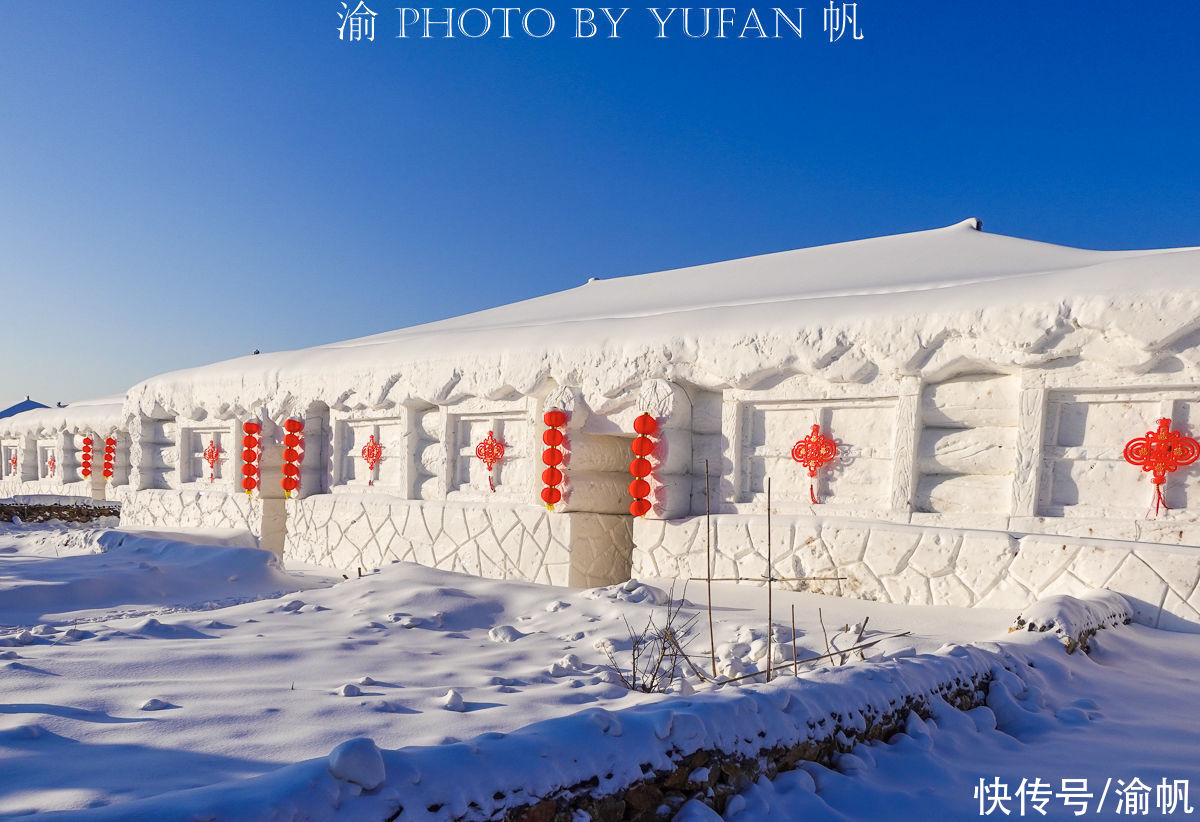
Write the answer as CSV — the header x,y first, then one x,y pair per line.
x,y
185,182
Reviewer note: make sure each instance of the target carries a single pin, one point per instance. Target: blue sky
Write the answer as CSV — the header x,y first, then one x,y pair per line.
x,y
185,182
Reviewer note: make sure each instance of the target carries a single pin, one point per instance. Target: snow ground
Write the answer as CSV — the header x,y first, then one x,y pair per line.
x,y
185,693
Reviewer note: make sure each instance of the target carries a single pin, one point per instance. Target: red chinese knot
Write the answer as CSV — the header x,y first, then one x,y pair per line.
x,y
813,452
372,453
211,454
490,452
1161,452
51,464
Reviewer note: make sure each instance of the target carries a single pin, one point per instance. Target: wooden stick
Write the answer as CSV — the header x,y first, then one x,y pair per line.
x,y
770,581
828,650
861,630
669,634
817,658
795,664
712,642
763,579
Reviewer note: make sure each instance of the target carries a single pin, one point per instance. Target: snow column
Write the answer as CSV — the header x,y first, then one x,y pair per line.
x,y
670,478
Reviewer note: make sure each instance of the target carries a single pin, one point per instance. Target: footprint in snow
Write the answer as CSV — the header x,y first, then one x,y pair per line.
x,y
557,605
293,606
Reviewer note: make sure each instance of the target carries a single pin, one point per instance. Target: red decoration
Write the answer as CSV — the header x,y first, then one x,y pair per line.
x,y
51,464
645,425
642,446
490,452
293,455
552,457
813,452
372,452
13,462
211,454
1161,452
85,458
110,458
251,455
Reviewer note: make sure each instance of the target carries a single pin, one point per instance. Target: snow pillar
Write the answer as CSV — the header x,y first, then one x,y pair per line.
x,y
671,407
273,526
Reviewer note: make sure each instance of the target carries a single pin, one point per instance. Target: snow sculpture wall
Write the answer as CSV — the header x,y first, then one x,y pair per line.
x,y
351,531
159,508
924,565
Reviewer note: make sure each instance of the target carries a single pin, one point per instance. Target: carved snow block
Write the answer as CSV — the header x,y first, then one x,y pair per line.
x,y
967,451
974,401
961,494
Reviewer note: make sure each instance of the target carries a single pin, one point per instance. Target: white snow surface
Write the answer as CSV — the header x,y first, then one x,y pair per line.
x,y
122,717
846,311
99,416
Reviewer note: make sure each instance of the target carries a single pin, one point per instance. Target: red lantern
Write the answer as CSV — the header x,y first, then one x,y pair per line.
x,y
813,452
250,455
552,457
490,452
642,446
110,457
293,455
1161,452
645,425
372,452
85,458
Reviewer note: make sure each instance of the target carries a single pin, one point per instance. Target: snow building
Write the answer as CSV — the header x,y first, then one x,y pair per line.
x,y
81,450
974,395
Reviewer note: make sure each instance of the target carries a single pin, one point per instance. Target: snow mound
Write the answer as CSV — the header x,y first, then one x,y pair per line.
x,y
1075,619
359,762
136,573
505,633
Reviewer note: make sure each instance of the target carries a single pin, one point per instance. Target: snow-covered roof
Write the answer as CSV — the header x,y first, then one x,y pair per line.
x,y
100,416
847,311
24,405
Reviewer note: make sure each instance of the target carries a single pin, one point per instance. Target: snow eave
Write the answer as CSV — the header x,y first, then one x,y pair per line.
x,y
751,319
